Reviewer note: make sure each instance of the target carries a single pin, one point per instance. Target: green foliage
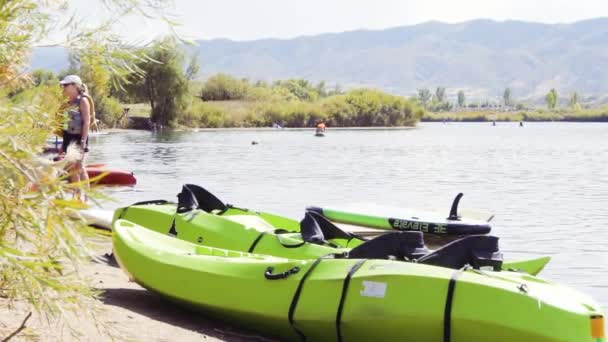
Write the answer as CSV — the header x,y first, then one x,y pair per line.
x,y
44,77
424,95
301,89
336,91
440,94
321,90
574,101
361,107
551,99
437,102
473,116
461,99
42,249
506,96
579,115
440,106
112,112
222,87
163,83
193,68
366,108
45,95
291,114
21,23
589,115
203,114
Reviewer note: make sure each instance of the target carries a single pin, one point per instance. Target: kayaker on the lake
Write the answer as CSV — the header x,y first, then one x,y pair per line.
x,y
76,124
320,127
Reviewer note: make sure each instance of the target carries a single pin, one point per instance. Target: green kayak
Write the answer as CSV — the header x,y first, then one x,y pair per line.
x,y
238,229
329,299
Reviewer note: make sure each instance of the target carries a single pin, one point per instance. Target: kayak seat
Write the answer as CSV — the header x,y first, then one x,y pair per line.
x,y
196,197
315,228
398,245
476,250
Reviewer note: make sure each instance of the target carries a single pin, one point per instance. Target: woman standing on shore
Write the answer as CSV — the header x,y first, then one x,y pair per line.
x,y
76,126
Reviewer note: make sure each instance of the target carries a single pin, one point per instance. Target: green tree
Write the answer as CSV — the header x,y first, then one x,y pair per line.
x,y
507,97
337,89
163,84
574,101
461,99
551,99
440,94
424,95
193,68
222,87
321,90
302,89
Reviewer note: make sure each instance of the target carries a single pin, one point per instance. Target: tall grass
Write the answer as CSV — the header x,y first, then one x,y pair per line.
x,y
561,114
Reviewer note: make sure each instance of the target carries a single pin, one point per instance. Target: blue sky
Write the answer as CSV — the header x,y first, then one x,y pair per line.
x,y
249,19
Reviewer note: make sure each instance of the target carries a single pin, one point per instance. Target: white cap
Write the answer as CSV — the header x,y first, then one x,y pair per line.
x,y
71,79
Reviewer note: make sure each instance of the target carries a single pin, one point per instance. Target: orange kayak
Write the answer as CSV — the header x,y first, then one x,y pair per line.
x,y
110,176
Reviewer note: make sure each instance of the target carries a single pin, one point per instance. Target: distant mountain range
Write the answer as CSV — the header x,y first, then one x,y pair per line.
x,y
481,57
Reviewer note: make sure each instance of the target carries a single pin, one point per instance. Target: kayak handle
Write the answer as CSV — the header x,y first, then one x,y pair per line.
x,y
275,276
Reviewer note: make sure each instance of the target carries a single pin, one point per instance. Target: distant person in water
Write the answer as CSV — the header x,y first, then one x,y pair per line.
x,y
320,127
76,124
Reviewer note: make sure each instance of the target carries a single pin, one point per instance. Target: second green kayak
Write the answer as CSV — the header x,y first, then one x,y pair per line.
x,y
249,231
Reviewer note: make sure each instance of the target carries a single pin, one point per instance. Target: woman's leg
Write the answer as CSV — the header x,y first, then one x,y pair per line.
x,y
75,173
84,175
79,174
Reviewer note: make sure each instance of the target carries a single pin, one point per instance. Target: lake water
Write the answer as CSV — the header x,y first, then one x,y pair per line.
x,y
547,183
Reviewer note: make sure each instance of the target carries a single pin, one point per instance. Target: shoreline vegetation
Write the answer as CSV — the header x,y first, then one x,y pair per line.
x,y
235,114
532,115
225,102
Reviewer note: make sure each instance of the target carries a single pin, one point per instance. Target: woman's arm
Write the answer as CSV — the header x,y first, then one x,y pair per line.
x,y
85,112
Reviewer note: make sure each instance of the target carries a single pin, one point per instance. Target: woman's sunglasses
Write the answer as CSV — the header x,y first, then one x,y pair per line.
x,y
65,85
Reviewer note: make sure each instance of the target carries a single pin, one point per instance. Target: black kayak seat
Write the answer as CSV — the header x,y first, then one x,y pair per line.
x,y
195,197
476,250
397,245
315,228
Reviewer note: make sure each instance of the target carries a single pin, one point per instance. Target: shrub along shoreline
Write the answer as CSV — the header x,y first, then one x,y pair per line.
x,y
225,101
540,115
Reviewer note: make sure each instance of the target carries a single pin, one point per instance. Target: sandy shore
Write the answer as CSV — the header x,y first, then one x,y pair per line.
x,y
130,313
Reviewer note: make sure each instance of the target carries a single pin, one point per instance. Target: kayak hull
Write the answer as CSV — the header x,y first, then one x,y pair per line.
x,y
350,299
